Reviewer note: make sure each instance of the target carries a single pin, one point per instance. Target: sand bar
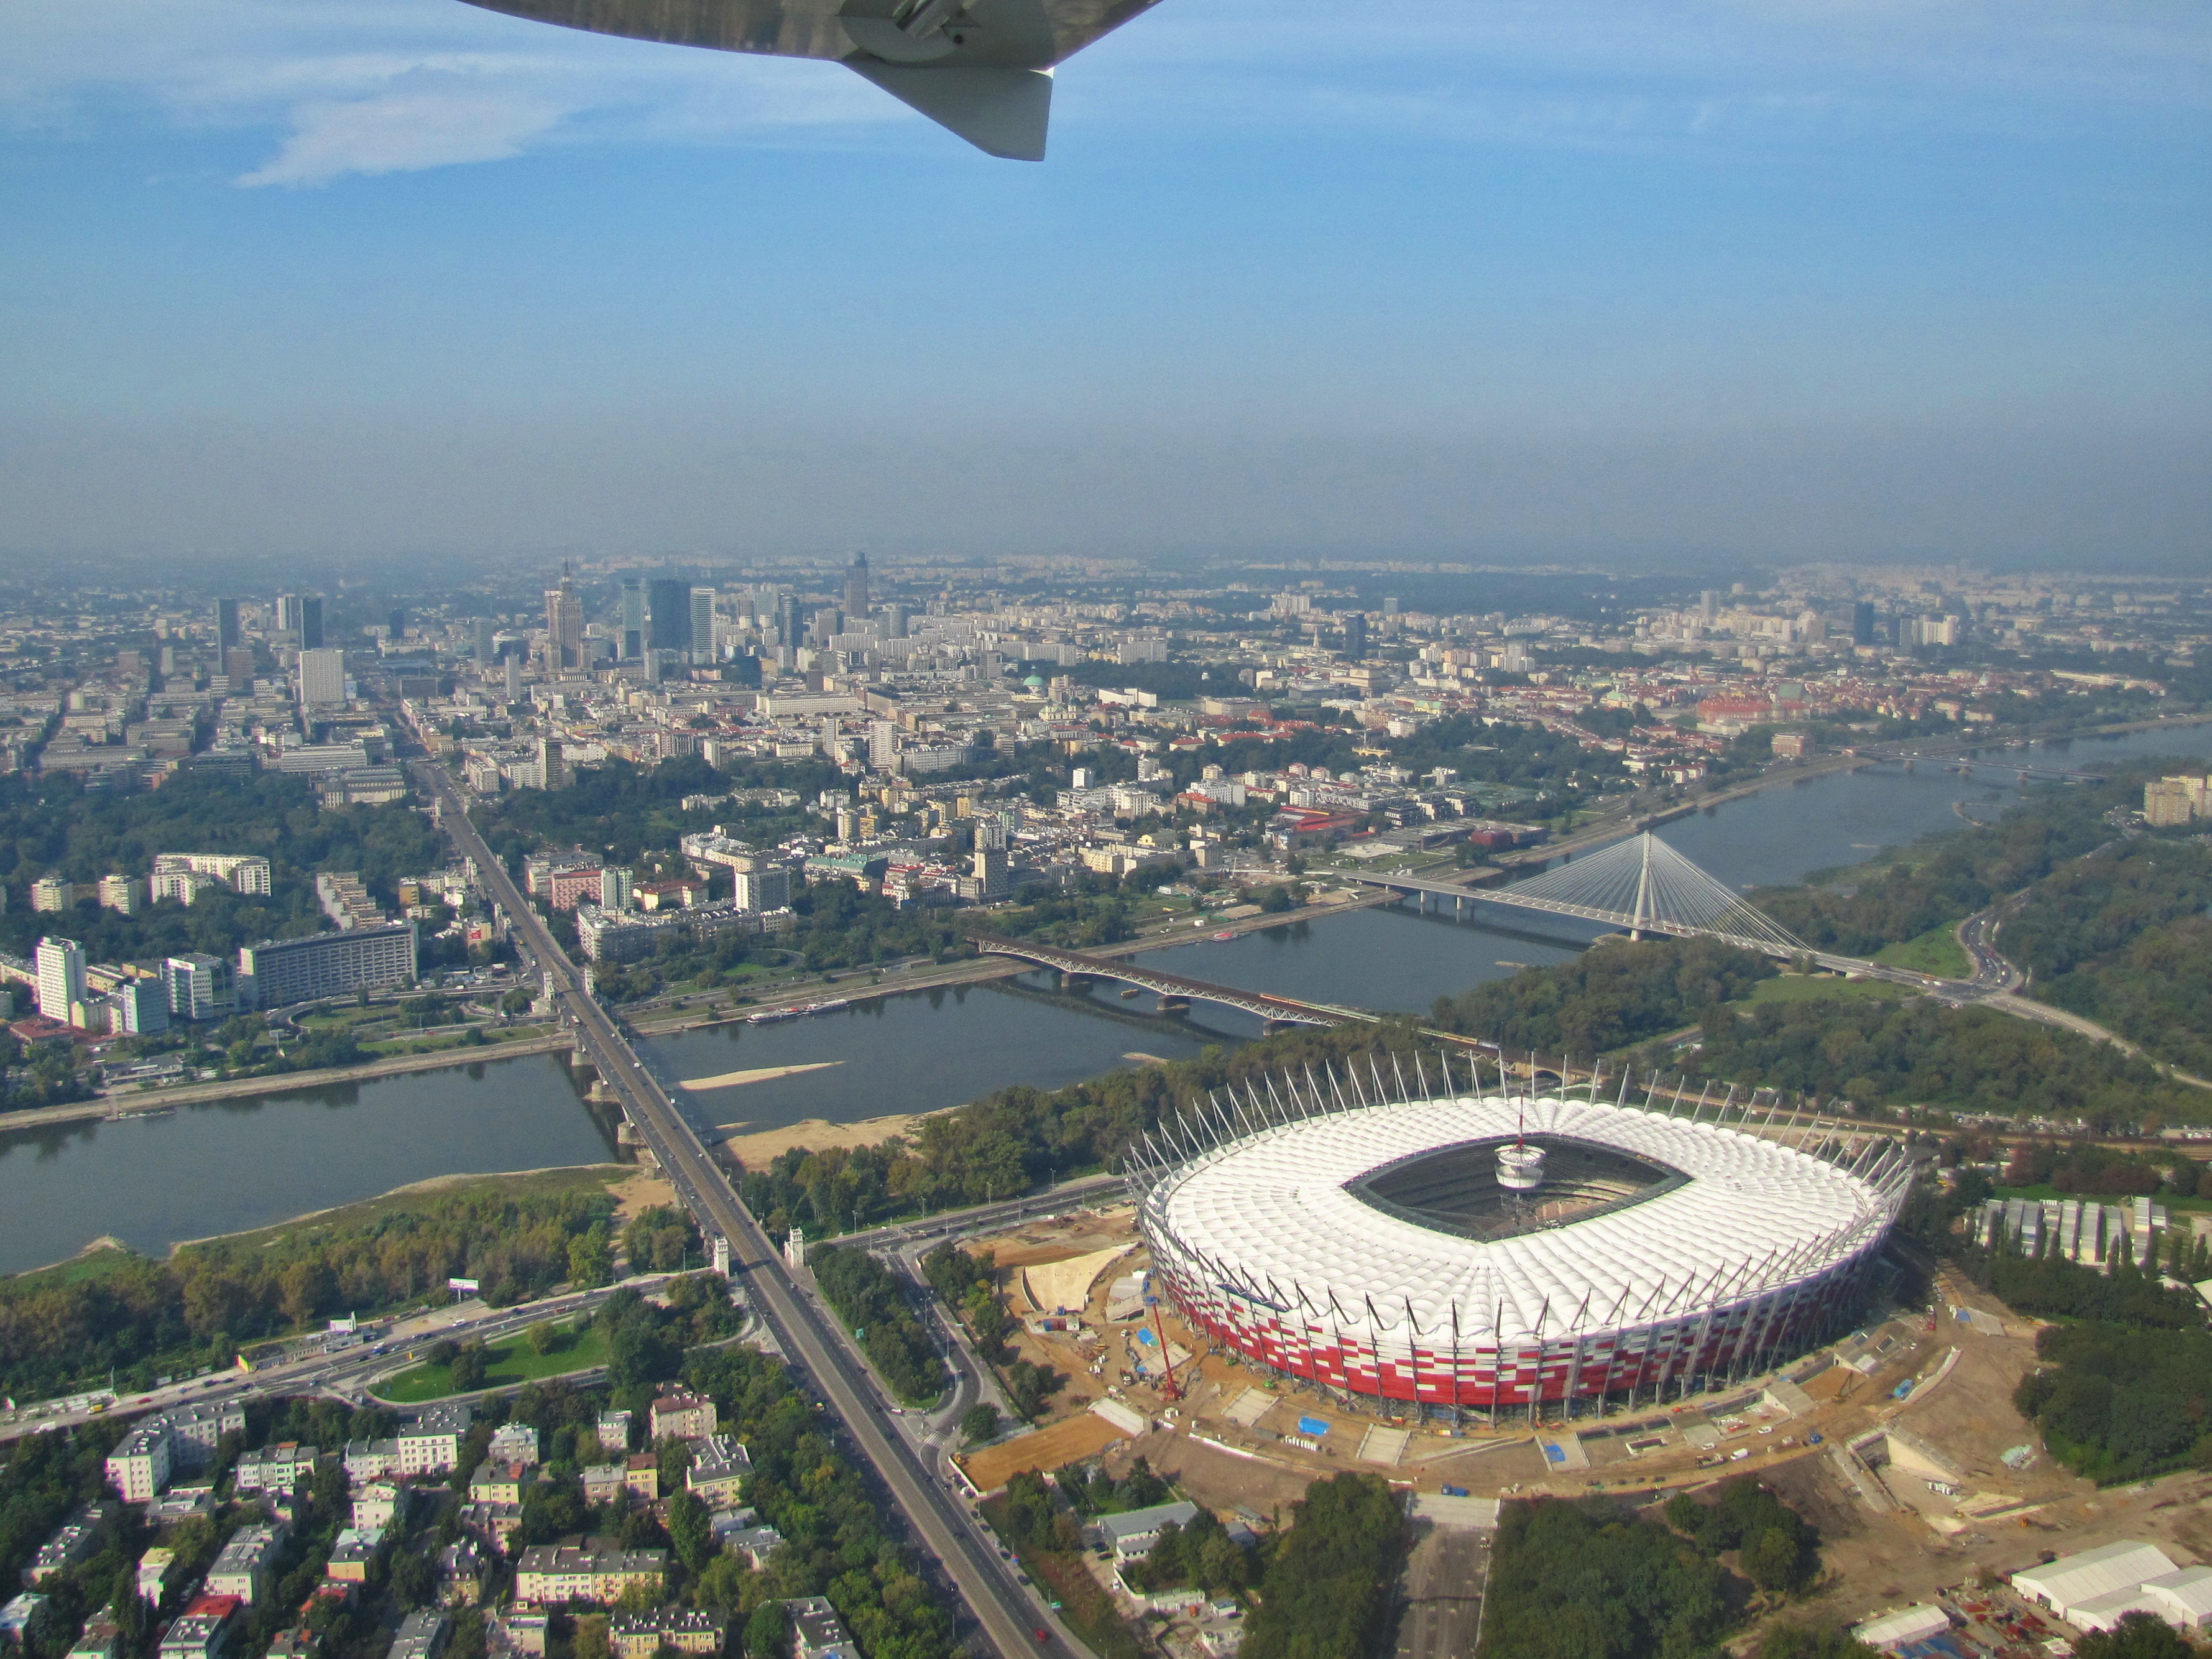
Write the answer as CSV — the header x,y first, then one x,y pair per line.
x,y
758,1074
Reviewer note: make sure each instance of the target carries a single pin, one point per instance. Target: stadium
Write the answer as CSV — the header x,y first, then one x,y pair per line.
x,y
1501,1248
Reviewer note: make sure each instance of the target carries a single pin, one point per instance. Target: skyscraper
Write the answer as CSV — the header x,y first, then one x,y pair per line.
x,y
287,615
311,621
1355,634
513,678
227,636
895,621
397,626
564,625
60,963
702,626
629,624
322,679
787,620
481,630
668,603
1862,623
856,587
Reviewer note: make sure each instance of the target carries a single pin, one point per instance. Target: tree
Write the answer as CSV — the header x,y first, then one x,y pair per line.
x,y
590,1641
1804,1642
542,1337
764,1633
978,1424
591,1258
2137,1636
443,1352
414,1580
691,1532
469,1367
1773,1561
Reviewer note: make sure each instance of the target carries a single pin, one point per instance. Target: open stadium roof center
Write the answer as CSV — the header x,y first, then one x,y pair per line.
x,y
1419,1248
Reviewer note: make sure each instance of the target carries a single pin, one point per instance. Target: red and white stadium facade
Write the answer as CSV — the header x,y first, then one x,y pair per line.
x,y
1756,1246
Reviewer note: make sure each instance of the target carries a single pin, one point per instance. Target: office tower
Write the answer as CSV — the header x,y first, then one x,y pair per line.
x,y
564,625
138,1007
311,621
60,963
765,887
481,632
238,665
895,624
787,620
200,986
287,615
552,770
629,621
513,678
668,614
702,625
227,636
990,872
1862,623
827,624
856,587
398,625
1355,634
1390,604
322,679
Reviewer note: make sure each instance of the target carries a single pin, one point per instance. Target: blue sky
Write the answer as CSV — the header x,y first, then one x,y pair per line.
x,y
1585,280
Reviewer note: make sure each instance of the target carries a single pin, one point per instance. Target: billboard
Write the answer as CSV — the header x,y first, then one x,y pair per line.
x,y
462,1284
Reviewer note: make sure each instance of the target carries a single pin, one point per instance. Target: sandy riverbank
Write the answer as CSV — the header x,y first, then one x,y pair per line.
x,y
818,1135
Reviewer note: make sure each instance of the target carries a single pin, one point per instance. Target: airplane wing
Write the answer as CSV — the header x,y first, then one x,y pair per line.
x,y
981,68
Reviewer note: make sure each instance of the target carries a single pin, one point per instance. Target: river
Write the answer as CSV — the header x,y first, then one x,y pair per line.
x,y
228,1165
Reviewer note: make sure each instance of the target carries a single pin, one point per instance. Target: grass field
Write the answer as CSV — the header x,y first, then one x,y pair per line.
x,y
583,1177
1936,951
1797,987
512,1363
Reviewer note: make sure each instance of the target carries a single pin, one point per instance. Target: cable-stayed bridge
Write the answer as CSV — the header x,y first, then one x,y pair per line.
x,y
1641,884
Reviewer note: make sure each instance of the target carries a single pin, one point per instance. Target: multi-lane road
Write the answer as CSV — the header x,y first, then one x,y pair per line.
x,y
1012,1618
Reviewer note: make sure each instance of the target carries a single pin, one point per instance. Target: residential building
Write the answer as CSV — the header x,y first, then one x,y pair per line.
x,y
198,1429
139,1466
52,893
99,1640
156,1568
371,1459
200,988
247,1568
285,971
382,1504
242,873
641,1475
74,1540
585,1569
568,888
499,1483
764,887
679,1412
431,1444
460,1574
421,1635
124,895
494,1523
717,1470
688,1630
614,1431
352,1554
816,1632
195,1636
756,1545
60,964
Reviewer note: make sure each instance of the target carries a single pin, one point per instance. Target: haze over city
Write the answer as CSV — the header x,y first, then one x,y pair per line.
x,y
1593,281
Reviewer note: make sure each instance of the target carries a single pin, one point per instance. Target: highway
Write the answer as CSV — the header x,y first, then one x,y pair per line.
x,y
1010,1616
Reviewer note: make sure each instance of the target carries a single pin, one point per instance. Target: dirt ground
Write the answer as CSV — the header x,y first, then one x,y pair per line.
x,y
1069,1441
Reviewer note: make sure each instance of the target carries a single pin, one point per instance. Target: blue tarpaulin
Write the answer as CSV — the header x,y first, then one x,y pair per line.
x,y
1312,1426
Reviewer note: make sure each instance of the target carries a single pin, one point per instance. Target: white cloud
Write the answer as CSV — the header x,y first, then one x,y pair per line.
x,y
403,132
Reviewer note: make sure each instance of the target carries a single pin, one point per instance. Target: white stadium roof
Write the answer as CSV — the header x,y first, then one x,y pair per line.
x,y
1271,1210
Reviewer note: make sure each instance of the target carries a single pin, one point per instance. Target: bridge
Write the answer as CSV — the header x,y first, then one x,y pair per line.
x,y
1173,989
1642,884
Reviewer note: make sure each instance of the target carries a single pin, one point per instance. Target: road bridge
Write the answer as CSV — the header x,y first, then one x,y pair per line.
x,y
1170,988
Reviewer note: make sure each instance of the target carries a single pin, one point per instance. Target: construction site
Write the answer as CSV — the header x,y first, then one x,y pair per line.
x,y
1899,1442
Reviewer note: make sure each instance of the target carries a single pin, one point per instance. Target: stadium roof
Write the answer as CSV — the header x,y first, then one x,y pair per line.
x,y
1272,1216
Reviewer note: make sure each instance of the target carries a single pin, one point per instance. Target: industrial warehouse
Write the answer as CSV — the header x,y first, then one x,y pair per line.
x,y
1480,1245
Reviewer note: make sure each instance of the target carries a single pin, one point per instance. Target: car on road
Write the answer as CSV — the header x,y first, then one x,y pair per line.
x,y
1041,1635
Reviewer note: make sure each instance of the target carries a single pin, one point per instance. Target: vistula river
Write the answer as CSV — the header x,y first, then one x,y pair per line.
x,y
230,1165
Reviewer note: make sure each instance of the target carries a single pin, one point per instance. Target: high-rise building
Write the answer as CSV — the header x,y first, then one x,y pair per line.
x,y
311,621
787,620
990,873
702,626
397,626
227,636
1862,623
1355,634
481,630
322,679
895,622
856,587
552,770
287,615
668,608
138,1007
60,965
630,642
200,988
564,625
284,971
764,887
238,665
513,679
